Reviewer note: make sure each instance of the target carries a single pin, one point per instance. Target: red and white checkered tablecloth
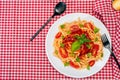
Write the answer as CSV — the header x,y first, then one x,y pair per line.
x,y
21,59
111,18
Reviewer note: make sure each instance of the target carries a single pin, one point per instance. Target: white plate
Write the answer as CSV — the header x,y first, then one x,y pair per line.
x,y
57,63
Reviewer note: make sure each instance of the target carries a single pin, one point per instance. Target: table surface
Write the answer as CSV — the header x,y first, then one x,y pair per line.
x,y
22,59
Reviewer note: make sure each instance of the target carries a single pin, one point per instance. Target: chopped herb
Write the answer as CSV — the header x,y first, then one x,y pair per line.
x,y
89,55
66,63
101,54
77,59
96,39
81,25
96,30
72,54
56,52
62,45
62,37
62,26
68,32
88,46
88,67
75,46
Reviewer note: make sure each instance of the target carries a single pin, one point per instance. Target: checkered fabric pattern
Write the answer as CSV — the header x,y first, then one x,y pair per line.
x,y
21,59
111,19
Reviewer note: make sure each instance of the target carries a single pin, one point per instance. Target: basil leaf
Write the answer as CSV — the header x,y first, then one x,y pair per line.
x,y
66,63
83,36
96,30
80,40
86,40
75,46
88,67
77,59
77,37
62,26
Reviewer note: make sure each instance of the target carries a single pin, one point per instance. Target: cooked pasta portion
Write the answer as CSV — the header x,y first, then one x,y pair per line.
x,y
78,44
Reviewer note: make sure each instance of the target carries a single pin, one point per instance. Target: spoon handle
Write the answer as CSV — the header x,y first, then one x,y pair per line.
x,y
38,31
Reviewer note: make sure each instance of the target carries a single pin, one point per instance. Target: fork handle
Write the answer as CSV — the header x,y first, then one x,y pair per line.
x,y
115,59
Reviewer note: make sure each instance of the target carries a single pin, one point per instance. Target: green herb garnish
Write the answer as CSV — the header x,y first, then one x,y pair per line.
x,y
77,59
62,37
62,26
84,38
68,32
96,39
80,40
62,45
101,54
88,46
75,46
81,25
56,52
66,63
77,37
88,67
96,30
72,54
89,55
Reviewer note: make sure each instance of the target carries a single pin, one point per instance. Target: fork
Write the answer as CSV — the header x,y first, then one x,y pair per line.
x,y
106,44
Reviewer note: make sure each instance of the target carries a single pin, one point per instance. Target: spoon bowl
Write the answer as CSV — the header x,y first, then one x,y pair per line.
x,y
59,8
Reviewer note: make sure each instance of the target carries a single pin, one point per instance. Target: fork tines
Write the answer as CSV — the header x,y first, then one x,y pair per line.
x,y
105,40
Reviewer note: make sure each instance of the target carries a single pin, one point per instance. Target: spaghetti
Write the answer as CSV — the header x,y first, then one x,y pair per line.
x,y
78,44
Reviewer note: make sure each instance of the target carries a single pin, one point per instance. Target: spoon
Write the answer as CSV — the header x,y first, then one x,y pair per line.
x,y
59,9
